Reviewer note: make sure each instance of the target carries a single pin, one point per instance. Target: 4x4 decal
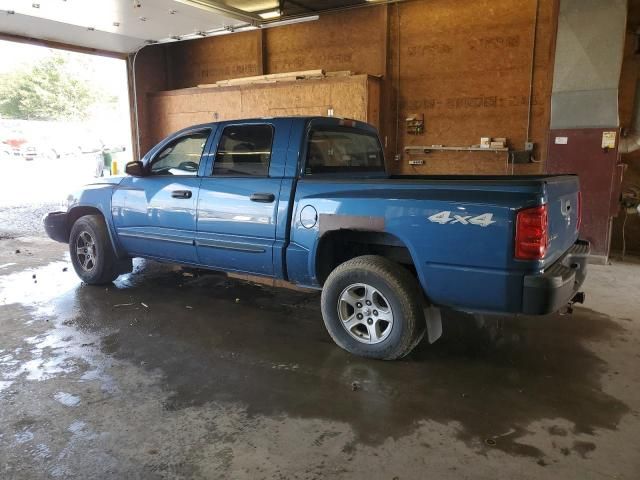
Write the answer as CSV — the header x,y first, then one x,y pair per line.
x,y
445,217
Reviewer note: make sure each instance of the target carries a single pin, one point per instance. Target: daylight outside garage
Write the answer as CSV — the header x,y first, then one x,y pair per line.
x,y
64,119
310,239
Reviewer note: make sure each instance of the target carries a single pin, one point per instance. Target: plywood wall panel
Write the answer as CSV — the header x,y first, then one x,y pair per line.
x,y
174,110
215,58
150,76
466,66
374,97
462,163
264,101
353,40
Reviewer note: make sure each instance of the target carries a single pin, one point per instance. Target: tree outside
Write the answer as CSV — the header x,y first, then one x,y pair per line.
x,y
49,90
63,117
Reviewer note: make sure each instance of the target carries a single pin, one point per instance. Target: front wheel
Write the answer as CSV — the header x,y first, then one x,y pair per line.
x,y
91,252
372,307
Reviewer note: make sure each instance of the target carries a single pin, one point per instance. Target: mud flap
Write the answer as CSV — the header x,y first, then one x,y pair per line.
x,y
433,320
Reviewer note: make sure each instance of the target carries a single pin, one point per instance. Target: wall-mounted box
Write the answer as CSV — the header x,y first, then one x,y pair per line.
x,y
415,124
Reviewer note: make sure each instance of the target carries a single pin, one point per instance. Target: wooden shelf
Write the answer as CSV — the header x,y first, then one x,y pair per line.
x,y
438,148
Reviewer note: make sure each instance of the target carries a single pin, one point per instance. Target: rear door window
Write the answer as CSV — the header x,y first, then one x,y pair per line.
x,y
244,150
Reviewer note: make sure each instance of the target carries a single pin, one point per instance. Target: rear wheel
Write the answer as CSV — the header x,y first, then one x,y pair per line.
x,y
91,252
372,307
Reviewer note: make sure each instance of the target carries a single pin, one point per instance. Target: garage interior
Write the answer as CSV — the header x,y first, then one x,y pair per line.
x,y
180,373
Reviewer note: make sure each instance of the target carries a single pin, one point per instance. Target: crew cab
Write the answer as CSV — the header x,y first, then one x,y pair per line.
x,y
308,200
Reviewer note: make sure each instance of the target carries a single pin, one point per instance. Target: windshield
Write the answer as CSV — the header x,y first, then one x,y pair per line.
x,y
336,149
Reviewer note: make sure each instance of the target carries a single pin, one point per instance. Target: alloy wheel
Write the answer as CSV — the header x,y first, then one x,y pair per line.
x,y
365,313
86,251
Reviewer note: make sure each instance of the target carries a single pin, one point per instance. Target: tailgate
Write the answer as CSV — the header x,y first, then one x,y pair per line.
x,y
562,199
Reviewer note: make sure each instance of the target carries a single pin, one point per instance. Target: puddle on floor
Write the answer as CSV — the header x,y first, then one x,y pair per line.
x,y
67,399
220,340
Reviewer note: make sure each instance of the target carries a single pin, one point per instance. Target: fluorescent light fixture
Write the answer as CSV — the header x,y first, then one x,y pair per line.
x,y
270,15
290,21
219,7
243,28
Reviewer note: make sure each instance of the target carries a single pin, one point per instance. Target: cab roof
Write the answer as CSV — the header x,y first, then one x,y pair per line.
x,y
294,118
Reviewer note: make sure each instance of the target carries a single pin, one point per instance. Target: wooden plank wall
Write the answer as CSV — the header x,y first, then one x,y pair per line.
x,y
464,65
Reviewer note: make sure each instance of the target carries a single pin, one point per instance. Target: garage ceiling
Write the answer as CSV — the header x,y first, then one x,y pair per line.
x,y
125,25
290,8
115,25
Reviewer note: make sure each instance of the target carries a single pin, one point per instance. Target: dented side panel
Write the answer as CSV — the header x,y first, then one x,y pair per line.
x,y
333,221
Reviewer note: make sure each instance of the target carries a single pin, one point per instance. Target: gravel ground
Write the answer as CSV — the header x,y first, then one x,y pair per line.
x,y
29,190
24,220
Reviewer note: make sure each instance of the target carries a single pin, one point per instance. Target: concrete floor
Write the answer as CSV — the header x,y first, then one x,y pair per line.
x,y
175,374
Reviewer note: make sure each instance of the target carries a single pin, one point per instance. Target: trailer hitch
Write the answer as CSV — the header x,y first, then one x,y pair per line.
x,y
579,297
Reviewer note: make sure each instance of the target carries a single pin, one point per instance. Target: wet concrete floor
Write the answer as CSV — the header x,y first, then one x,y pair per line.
x,y
174,373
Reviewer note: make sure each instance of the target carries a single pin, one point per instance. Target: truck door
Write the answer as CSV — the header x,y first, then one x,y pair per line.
x,y
155,215
239,194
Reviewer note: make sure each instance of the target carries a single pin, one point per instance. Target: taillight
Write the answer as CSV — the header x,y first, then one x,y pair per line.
x,y
532,233
579,211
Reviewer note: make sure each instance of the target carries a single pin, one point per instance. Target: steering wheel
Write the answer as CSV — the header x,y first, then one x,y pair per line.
x,y
189,166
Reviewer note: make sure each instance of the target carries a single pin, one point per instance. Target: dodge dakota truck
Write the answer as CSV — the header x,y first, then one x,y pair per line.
x,y
307,200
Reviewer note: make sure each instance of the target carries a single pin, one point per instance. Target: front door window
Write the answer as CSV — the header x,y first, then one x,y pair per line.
x,y
181,156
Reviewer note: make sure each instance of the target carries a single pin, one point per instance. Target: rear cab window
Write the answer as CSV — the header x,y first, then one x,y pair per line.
x,y
343,150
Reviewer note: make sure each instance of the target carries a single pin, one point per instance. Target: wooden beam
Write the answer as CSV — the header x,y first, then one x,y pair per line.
x,y
61,46
261,54
267,78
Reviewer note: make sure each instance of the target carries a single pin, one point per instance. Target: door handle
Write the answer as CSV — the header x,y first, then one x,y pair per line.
x,y
262,197
181,194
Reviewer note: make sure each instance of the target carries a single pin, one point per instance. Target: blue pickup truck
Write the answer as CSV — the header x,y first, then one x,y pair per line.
x,y
308,200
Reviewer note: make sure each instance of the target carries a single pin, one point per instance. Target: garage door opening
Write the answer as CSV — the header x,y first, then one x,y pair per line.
x,y
64,121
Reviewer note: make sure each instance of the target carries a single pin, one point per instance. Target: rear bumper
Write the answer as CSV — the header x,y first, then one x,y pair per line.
x,y
548,292
56,226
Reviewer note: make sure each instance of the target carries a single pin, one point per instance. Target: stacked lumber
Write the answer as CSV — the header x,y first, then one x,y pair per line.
x,y
277,77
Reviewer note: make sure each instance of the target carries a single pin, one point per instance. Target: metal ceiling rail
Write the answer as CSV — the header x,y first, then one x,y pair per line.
x,y
221,7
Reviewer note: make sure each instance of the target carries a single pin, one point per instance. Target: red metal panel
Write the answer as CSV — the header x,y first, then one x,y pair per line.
x,y
599,178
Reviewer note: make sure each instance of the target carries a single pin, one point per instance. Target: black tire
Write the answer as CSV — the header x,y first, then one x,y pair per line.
x,y
99,264
398,288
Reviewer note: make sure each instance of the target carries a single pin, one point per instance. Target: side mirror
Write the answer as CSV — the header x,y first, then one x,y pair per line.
x,y
135,169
